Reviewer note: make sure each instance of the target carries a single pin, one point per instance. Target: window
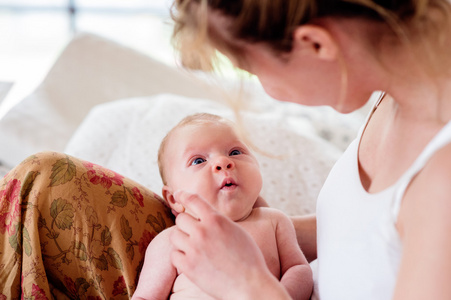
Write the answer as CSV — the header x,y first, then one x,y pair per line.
x,y
32,4
34,32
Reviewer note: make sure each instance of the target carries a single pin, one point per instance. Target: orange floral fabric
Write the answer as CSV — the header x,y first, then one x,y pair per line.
x,y
70,229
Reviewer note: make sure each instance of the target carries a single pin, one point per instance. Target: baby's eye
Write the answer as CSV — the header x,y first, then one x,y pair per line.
x,y
235,152
197,161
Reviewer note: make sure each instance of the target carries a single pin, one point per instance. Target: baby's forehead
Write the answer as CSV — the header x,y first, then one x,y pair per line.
x,y
199,125
205,130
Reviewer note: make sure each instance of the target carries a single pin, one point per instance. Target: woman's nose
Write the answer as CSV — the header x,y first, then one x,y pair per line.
x,y
223,163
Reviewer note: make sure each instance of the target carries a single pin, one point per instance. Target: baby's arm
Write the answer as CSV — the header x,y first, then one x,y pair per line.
x,y
158,273
296,272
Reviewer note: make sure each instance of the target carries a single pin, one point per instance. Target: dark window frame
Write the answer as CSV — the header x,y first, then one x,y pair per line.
x,y
73,9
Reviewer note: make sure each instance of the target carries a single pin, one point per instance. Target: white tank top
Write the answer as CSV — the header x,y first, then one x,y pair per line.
x,y
359,248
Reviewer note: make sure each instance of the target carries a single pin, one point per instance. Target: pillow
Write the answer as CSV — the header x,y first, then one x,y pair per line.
x,y
125,136
91,70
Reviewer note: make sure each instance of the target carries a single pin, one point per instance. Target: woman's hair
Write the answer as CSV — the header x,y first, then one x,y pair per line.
x,y
423,24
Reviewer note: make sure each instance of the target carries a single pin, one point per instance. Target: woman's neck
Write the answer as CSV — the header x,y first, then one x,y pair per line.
x,y
427,100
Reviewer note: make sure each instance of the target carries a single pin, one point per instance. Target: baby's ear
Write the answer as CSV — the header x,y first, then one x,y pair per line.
x,y
168,195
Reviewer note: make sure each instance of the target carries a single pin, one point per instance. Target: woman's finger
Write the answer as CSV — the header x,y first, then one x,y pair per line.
x,y
194,204
178,259
180,240
186,222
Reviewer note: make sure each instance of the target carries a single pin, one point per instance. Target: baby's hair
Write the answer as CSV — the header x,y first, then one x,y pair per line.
x,y
198,118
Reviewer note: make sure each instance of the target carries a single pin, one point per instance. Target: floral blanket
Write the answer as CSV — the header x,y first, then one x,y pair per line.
x,y
70,229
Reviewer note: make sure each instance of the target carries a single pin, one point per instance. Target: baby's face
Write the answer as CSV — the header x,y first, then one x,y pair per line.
x,y
211,161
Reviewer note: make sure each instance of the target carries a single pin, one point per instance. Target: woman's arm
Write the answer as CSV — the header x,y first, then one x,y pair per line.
x,y
305,227
424,224
219,256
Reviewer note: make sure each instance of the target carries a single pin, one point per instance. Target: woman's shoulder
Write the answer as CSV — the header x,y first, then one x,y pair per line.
x,y
429,193
437,171
436,174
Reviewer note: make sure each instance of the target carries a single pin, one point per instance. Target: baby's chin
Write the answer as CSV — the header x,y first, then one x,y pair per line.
x,y
238,217
230,211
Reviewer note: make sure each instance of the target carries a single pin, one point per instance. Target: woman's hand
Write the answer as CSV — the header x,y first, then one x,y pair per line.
x,y
217,254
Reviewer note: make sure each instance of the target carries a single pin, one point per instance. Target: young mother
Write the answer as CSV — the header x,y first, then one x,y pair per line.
x,y
384,214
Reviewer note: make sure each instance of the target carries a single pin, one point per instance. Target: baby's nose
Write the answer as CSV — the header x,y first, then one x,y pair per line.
x,y
229,166
223,164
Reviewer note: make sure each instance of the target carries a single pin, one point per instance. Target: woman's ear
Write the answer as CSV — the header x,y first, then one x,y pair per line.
x,y
168,195
315,40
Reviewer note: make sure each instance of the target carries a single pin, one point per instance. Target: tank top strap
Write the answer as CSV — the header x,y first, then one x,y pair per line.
x,y
441,139
376,97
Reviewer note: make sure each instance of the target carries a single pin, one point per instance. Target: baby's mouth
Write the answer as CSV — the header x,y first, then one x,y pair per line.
x,y
228,184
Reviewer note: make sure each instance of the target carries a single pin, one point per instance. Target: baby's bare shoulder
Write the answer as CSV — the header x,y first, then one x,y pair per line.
x,y
269,213
166,232
162,238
